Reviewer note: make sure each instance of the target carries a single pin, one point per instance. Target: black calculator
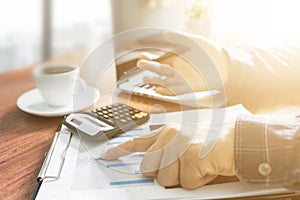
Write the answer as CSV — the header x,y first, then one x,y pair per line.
x,y
109,120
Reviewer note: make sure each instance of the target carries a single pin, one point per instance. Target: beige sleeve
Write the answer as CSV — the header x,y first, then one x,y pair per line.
x,y
267,150
263,78
260,78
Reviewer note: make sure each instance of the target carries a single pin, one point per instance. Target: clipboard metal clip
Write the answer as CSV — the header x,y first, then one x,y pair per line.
x,y
67,136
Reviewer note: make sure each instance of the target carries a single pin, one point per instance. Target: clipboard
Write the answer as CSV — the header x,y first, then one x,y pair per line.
x,y
60,134
64,159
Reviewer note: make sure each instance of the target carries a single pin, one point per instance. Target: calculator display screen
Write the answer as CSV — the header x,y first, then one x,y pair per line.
x,y
76,121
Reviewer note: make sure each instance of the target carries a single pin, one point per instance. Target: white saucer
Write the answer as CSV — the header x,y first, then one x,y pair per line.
x,y
31,102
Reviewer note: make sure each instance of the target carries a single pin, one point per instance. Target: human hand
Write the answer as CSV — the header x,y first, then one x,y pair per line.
x,y
180,77
174,160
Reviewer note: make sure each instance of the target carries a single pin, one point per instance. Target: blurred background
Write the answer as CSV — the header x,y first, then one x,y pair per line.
x,y
32,31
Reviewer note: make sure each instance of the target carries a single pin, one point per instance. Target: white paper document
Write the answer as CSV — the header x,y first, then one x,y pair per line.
x,y
85,176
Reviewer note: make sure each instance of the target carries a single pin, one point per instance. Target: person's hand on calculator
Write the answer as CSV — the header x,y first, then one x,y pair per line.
x,y
176,75
174,160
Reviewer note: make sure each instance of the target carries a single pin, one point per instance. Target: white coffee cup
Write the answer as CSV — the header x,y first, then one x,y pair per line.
x,y
58,83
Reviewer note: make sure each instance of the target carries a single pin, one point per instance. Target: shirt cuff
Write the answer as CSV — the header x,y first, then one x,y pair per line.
x,y
267,149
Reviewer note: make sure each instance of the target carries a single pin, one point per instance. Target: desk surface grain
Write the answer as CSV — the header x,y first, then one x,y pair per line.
x,y
24,138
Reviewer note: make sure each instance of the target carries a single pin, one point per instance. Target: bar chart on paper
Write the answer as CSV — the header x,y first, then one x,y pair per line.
x,y
94,173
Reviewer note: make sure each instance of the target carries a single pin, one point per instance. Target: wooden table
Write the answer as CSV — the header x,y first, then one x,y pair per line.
x,y
24,138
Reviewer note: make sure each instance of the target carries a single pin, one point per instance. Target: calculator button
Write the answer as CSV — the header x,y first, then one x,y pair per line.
x,y
99,113
105,112
110,110
110,120
137,115
94,111
111,115
123,120
116,117
143,114
106,116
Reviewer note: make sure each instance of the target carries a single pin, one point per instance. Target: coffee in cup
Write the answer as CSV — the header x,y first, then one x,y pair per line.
x,y
56,83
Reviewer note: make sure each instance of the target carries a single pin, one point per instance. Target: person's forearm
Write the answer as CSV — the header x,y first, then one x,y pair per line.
x,y
267,150
258,78
264,78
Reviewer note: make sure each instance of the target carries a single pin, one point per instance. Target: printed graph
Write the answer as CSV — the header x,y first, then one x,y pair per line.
x,y
92,172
